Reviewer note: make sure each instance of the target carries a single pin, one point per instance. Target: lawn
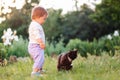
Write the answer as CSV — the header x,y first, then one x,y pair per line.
x,y
91,68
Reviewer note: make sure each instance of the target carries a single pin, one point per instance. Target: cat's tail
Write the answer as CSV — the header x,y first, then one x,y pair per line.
x,y
58,65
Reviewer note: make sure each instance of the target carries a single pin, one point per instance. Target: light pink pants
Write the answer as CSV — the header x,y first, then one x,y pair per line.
x,y
37,54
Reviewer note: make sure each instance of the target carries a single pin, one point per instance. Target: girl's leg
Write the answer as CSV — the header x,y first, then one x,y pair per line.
x,y
37,55
38,61
35,70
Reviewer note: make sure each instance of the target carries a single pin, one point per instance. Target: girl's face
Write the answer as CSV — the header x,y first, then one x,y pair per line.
x,y
42,19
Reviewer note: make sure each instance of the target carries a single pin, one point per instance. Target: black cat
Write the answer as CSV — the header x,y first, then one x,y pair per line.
x,y
65,60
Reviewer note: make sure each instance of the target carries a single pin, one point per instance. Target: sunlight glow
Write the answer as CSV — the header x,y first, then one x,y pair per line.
x,y
6,4
19,4
2,19
67,5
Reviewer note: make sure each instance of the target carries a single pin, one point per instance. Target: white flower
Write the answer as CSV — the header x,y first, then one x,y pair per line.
x,y
9,36
9,31
14,33
109,37
15,38
116,33
7,42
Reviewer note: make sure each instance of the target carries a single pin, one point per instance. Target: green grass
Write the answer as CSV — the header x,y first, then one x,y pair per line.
x,y
92,68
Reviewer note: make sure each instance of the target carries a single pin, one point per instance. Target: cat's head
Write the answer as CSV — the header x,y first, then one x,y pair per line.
x,y
72,54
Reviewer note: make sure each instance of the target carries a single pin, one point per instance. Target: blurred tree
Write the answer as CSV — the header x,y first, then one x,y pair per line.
x,y
53,24
77,24
76,5
108,15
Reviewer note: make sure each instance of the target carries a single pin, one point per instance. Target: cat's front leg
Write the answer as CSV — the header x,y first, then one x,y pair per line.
x,y
69,67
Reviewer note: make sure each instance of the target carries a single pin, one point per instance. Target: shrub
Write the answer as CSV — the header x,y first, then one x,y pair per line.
x,y
109,44
78,44
2,51
54,47
49,48
18,48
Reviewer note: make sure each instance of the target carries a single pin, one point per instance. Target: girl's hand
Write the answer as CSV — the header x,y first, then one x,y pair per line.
x,y
42,45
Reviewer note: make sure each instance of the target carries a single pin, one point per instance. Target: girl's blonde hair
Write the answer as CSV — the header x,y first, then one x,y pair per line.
x,y
38,12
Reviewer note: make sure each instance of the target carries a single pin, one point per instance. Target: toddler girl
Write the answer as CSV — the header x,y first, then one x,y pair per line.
x,y
37,39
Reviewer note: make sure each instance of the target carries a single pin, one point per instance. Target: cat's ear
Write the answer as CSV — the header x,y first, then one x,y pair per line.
x,y
70,51
75,50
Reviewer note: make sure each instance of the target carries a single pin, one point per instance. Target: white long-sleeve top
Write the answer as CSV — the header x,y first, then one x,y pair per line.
x,y
35,31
